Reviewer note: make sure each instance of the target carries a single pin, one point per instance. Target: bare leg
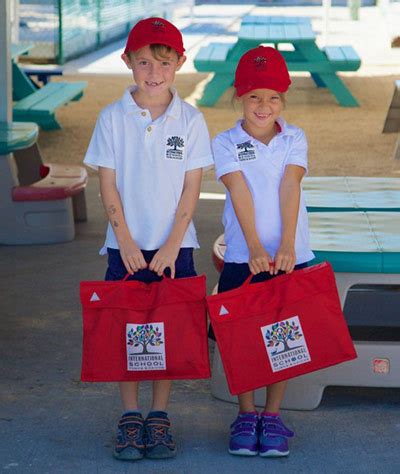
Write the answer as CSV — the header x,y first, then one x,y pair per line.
x,y
275,394
161,391
129,395
246,402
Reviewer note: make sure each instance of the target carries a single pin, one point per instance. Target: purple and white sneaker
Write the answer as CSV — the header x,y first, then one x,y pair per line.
x,y
244,437
273,437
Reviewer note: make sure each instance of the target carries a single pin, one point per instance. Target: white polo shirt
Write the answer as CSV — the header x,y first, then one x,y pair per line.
x,y
263,167
150,159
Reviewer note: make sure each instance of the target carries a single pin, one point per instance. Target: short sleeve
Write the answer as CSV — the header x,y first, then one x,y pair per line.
x,y
101,151
199,154
225,158
298,151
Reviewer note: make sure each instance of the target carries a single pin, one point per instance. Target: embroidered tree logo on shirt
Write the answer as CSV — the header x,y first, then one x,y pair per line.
x,y
145,335
246,146
280,335
176,142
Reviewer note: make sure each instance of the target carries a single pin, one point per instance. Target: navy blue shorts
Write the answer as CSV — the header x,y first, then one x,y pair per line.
x,y
234,275
184,266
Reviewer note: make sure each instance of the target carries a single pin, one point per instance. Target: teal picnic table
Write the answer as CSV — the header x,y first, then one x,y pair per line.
x,y
39,105
323,64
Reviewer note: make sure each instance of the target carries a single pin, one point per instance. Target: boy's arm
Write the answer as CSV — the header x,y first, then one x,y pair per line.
x,y
289,199
130,253
242,200
168,253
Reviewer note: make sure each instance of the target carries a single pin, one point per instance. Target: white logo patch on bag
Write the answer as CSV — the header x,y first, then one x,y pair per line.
x,y
285,344
145,346
174,147
245,151
223,311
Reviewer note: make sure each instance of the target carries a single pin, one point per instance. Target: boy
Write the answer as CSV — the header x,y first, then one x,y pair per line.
x,y
150,148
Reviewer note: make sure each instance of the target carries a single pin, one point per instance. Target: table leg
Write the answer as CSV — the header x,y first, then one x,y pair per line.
x,y
215,89
312,53
22,86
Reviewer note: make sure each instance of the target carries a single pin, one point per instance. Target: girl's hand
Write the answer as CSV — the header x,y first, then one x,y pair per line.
x,y
285,259
260,260
165,258
132,256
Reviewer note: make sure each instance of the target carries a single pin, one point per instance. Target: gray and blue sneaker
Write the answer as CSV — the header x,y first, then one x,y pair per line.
x,y
130,444
273,437
244,437
158,439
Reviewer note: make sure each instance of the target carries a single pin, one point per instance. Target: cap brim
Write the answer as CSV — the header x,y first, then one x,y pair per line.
x,y
262,83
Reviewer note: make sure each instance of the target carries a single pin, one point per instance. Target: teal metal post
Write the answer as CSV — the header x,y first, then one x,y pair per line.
x,y
5,62
60,52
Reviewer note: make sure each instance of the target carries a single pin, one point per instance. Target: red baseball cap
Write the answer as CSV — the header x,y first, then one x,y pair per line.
x,y
154,31
261,68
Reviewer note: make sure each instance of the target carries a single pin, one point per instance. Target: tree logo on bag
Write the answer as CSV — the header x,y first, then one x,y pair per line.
x,y
145,345
285,343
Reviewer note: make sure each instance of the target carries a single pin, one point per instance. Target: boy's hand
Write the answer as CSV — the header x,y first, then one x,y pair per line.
x,y
165,258
285,258
260,260
132,257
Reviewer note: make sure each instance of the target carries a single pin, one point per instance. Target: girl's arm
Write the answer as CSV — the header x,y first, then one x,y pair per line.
x,y
242,200
130,253
289,199
168,253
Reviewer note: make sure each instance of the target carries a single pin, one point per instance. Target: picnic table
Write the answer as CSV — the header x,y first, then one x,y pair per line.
x,y
322,64
33,104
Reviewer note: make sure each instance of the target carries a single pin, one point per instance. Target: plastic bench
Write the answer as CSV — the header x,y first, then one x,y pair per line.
x,y
351,193
343,58
41,105
363,248
38,212
211,56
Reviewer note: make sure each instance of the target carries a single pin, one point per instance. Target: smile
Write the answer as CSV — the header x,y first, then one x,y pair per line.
x,y
154,84
262,116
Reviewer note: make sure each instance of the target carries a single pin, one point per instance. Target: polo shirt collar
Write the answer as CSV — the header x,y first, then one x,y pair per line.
x,y
239,135
130,106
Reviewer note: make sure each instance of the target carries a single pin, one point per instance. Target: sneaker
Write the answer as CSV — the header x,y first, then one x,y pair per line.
x,y
130,445
273,437
159,442
244,439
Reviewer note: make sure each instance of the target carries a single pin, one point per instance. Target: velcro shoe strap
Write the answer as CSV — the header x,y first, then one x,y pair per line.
x,y
276,427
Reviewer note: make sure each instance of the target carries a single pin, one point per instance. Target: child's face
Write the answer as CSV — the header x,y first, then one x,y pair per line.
x,y
261,107
153,76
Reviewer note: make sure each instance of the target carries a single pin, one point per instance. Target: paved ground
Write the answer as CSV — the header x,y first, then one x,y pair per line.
x,y
52,423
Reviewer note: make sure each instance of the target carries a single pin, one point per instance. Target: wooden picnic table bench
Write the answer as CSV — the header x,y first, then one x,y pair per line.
x,y
39,105
322,64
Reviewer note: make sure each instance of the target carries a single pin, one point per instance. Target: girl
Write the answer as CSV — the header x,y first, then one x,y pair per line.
x,y
261,162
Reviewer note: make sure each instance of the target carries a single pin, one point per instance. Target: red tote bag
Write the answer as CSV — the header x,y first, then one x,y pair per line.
x,y
276,330
135,331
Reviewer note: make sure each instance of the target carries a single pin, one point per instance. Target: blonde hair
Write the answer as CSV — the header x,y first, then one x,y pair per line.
x,y
159,51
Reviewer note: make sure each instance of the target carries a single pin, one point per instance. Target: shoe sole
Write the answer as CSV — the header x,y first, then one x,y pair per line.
x,y
128,456
274,453
163,453
242,452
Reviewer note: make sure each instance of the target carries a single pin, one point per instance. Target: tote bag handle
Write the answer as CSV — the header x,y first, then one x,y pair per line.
x,y
247,282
